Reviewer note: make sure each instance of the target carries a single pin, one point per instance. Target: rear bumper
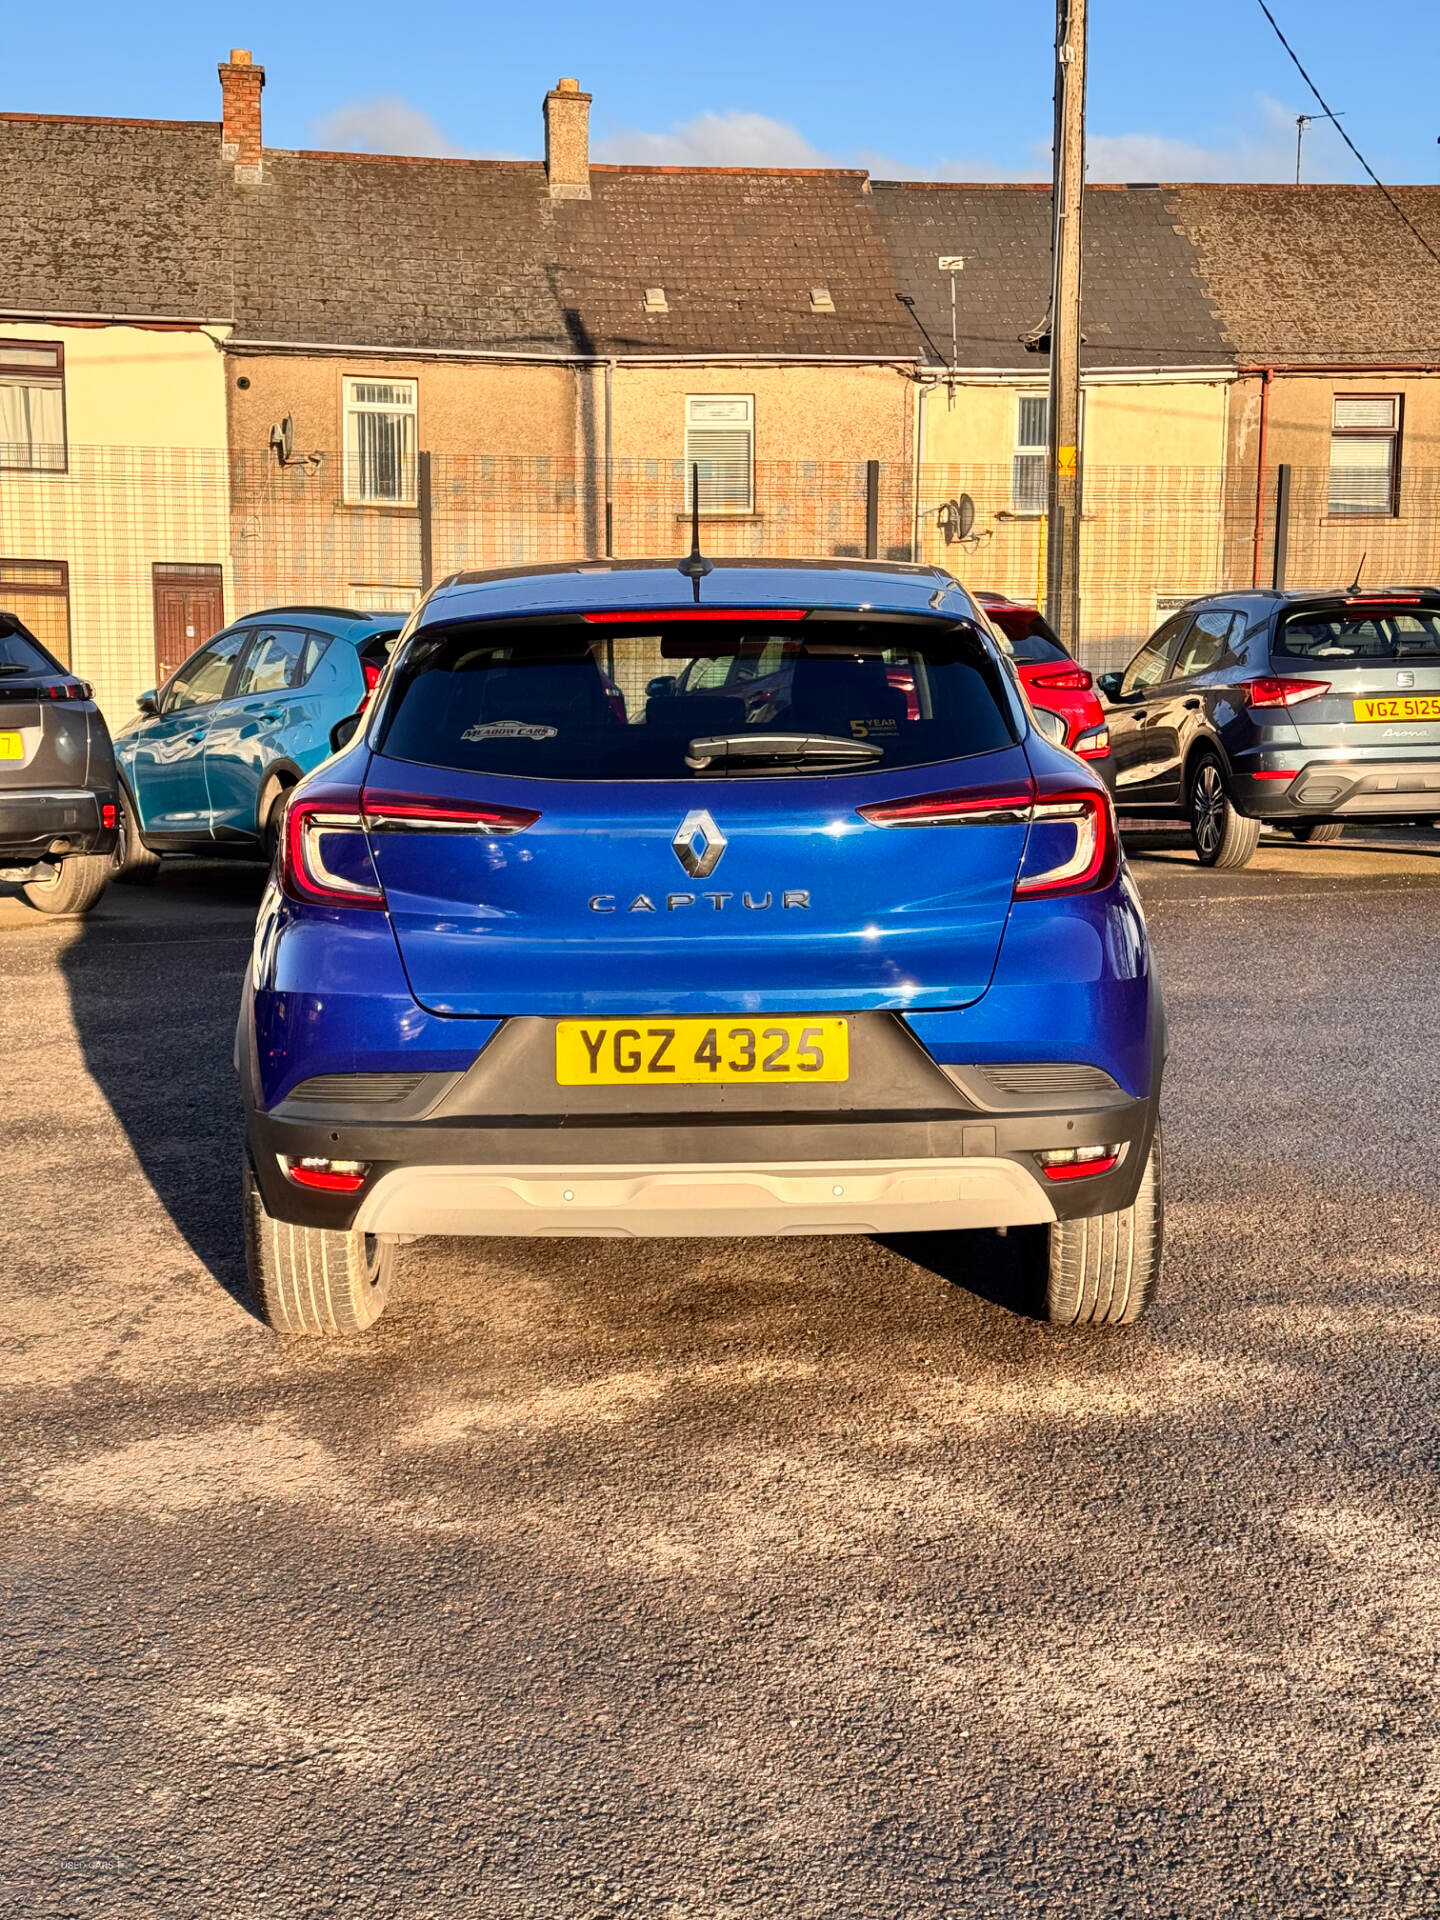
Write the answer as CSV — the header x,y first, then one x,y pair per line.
x,y
646,1201
1345,789
36,823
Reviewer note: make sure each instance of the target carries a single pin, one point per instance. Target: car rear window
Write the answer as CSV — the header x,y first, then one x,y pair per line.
x,y
587,700
1359,633
1032,638
20,654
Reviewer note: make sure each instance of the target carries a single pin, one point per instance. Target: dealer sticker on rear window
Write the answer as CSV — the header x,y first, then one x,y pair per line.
x,y
509,730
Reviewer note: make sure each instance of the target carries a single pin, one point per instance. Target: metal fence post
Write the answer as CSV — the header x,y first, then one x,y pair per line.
x,y
1282,527
872,509
424,500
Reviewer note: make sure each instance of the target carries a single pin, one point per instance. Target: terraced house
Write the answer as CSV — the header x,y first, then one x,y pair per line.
x,y
232,375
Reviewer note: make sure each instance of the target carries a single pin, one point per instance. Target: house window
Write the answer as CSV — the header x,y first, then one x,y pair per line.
x,y
380,439
1365,454
720,441
1028,493
37,592
32,406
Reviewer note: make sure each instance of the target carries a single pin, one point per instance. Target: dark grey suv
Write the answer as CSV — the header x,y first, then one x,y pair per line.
x,y
59,805
1302,709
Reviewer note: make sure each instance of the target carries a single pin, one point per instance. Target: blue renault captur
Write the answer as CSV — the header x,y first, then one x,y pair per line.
x,y
207,761
571,939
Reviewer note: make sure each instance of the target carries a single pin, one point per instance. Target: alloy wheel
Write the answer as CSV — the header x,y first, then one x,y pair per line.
x,y
1207,808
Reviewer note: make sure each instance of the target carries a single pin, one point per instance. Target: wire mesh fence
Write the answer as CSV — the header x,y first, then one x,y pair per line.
x,y
130,553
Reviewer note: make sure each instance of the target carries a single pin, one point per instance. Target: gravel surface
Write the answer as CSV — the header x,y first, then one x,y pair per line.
x,y
779,1579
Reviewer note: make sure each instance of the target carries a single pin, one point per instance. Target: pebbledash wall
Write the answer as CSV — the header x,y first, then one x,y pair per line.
x,y
144,482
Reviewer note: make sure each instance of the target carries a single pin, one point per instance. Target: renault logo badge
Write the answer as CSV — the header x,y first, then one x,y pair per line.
x,y
698,844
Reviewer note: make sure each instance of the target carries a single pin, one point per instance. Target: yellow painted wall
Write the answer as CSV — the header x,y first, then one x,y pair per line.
x,y
1153,499
146,481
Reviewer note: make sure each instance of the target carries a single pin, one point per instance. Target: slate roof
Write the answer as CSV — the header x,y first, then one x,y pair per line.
x,y
357,249
1318,273
1144,302
144,217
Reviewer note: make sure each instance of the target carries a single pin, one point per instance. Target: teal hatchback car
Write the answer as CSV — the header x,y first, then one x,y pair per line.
x,y
205,764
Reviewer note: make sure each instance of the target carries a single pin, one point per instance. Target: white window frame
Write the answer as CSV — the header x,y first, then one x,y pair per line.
x,y
742,422
43,375
1034,453
354,409
1343,435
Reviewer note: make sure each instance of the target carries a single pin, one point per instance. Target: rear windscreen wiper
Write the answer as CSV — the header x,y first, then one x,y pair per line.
x,y
714,751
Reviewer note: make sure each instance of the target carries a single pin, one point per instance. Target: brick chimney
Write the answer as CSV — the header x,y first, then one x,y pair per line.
x,y
240,84
567,141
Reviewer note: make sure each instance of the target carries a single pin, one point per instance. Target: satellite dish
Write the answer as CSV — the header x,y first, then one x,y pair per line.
x,y
282,439
956,518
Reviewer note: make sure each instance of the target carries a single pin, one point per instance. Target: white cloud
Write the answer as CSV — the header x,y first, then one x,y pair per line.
x,y
385,125
1265,150
730,139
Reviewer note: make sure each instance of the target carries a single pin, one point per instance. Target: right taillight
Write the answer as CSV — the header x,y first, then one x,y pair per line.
x,y
1274,690
1072,846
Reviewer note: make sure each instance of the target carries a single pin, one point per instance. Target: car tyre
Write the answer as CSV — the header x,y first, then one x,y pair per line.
x,y
1222,835
75,888
1102,1272
1319,833
269,813
313,1280
134,863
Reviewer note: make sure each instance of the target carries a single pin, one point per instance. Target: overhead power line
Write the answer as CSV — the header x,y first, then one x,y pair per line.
x,y
1395,205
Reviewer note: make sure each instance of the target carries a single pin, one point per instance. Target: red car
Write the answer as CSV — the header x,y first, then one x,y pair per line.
x,y
1052,679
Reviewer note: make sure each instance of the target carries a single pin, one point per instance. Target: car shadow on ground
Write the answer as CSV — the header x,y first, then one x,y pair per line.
x,y
154,977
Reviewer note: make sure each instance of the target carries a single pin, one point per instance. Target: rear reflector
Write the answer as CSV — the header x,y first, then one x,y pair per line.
x,y
1070,679
1274,690
327,1176
1078,1163
1272,773
655,616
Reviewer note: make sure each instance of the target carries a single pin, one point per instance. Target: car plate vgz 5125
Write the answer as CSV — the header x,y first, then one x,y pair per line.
x,y
690,1053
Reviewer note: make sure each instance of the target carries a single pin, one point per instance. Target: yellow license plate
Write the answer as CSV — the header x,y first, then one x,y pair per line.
x,y
695,1053
1403,706
11,747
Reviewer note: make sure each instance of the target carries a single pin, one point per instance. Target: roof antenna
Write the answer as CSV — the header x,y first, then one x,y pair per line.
x,y
1354,586
695,566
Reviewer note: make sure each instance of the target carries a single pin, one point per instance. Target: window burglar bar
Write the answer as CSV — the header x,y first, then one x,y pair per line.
x,y
720,443
1365,455
380,442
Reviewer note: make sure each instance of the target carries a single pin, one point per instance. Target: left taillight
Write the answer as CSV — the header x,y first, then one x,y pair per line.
x,y
325,855
327,859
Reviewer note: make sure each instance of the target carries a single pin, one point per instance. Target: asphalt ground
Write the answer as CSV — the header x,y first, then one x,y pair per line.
x,y
732,1578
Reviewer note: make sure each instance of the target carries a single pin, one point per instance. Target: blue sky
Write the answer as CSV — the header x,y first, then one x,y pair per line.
x,y
1196,90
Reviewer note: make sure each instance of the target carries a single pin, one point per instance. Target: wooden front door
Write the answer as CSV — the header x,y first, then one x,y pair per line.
x,y
189,607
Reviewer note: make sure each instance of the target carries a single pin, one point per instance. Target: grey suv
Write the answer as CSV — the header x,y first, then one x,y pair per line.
x,y
59,805
1302,709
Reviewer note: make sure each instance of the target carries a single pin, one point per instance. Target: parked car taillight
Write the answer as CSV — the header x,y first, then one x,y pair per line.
x,y
372,671
1072,845
326,858
1274,690
1094,744
1066,679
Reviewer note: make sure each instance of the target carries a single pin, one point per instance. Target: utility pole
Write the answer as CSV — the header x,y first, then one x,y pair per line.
x,y
1062,554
